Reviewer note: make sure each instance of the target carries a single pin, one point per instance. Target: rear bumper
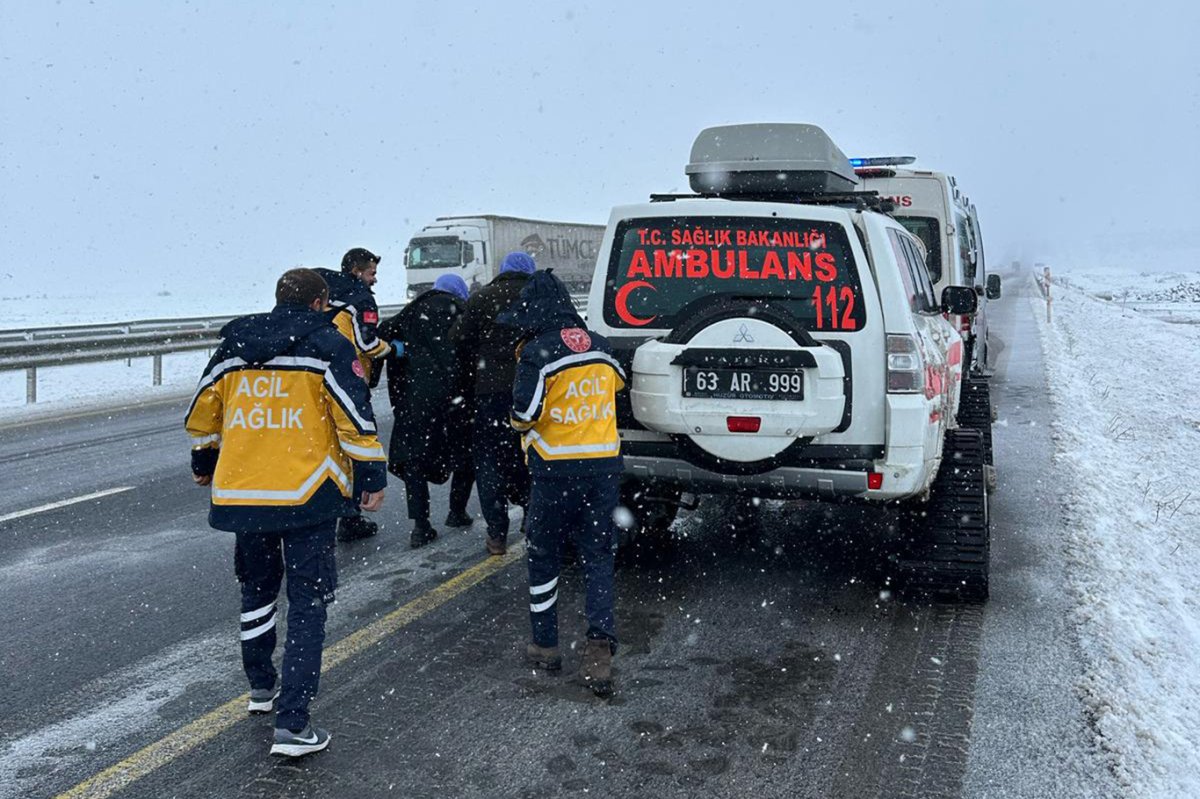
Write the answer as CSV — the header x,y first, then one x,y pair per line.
x,y
784,483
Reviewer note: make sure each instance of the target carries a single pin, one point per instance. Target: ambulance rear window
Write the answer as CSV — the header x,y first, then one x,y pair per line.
x,y
925,228
663,268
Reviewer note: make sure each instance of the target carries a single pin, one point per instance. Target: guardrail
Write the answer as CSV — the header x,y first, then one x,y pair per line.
x,y
41,347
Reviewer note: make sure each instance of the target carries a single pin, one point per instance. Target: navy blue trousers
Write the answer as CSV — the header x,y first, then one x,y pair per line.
x,y
500,472
579,509
261,559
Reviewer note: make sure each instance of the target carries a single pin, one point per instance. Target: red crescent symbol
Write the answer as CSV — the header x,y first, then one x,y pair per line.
x,y
623,309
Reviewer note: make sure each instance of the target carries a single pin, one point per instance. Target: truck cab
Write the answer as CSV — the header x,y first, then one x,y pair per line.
x,y
451,246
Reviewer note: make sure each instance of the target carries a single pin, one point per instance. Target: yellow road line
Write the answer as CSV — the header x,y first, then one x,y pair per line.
x,y
123,774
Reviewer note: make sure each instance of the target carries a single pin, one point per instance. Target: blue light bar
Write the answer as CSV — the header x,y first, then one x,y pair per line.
x,y
884,160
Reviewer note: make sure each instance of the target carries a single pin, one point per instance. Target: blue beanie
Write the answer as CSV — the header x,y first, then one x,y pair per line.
x,y
518,262
452,284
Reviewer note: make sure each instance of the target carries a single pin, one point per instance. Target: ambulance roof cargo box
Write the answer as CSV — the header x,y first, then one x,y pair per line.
x,y
768,158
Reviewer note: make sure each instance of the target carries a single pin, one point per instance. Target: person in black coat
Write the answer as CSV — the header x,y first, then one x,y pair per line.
x,y
487,357
431,433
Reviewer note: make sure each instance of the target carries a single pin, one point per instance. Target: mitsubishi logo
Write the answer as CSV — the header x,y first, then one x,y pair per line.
x,y
743,334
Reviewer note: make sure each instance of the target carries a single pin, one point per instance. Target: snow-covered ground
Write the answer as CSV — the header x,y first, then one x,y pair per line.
x,y
1170,296
1126,390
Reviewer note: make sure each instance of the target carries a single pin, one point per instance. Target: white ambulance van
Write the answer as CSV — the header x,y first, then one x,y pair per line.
x,y
933,208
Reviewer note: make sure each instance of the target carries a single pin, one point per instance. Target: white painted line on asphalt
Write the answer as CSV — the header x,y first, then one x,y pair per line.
x,y
63,503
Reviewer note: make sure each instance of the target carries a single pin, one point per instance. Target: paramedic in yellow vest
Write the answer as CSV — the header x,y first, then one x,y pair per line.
x,y
564,404
282,431
354,312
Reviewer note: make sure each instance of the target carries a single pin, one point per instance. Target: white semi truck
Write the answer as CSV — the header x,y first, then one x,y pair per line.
x,y
473,247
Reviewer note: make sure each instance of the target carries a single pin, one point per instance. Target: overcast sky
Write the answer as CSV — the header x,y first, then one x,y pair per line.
x,y
210,145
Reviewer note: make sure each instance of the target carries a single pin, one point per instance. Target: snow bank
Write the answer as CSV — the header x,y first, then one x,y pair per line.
x,y
1170,296
1126,390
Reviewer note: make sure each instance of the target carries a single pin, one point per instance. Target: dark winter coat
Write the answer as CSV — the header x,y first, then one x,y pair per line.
x,y
487,351
432,423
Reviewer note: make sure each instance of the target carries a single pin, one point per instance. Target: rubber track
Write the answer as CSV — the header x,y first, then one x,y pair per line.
x,y
947,539
975,411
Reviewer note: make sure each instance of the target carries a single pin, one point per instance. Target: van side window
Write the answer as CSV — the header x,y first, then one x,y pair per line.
x,y
965,243
977,237
927,229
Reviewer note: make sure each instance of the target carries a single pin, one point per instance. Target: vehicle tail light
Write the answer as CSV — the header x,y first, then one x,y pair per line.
x,y
965,327
743,424
874,480
905,366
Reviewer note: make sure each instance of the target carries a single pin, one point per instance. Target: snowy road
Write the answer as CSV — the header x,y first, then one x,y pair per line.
x,y
764,664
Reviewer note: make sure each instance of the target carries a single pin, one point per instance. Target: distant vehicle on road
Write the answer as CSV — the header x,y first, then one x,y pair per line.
x,y
472,247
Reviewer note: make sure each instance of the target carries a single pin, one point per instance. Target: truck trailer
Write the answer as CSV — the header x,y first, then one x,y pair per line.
x,y
473,247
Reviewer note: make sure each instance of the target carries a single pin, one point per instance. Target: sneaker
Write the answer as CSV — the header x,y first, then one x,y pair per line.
x,y
495,546
459,518
546,658
597,667
297,744
352,528
262,700
422,534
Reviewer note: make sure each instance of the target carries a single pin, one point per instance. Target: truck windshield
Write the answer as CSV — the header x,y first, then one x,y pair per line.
x,y
925,228
663,269
434,253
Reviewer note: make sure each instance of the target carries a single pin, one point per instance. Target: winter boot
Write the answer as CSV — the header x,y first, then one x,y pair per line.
x,y
546,658
597,667
495,546
459,518
422,534
352,528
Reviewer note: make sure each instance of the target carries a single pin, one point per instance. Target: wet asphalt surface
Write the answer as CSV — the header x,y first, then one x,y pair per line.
x,y
765,658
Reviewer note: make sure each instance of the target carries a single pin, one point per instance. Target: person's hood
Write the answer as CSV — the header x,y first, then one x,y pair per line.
x,y
344,287
518,262
260,337
452,284
429,295
544,304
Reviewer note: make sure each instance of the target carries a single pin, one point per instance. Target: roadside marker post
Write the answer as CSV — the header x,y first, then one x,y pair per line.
x,y
1046,283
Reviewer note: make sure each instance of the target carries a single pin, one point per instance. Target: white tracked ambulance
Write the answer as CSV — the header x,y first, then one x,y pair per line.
x,y
784,339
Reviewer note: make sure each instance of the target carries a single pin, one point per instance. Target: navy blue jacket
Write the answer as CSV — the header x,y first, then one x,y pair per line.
x,y
564,393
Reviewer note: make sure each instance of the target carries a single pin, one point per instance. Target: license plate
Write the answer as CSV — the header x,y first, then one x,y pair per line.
x,y
743,384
